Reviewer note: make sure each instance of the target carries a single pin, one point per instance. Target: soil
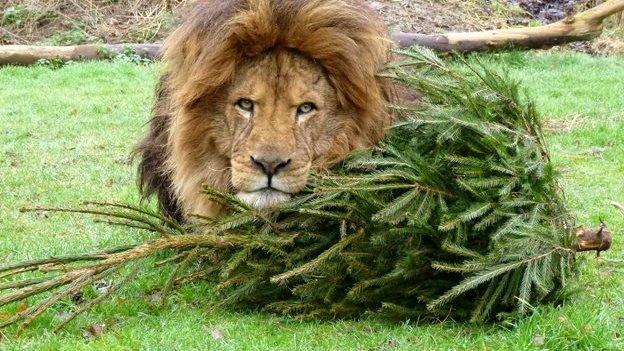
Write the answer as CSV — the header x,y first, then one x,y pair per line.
x,y
441,16
550,10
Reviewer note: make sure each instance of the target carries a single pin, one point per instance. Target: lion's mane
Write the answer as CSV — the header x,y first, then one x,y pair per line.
x,y
344,37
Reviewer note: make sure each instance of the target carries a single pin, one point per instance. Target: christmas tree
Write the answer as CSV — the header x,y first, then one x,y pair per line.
x,y
458,212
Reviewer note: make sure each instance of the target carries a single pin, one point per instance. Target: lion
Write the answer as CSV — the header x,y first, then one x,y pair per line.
x,y
257,94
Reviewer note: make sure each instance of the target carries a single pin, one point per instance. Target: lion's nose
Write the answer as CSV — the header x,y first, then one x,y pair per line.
x,y
270,165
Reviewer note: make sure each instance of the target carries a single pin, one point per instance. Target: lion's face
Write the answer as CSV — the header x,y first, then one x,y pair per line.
x,y
258,93
282,114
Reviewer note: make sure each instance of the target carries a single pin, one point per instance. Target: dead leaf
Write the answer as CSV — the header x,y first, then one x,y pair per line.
x,y
62,316
103,287
376,5
217,334
392,344
120,300
559,126
73,111
155,297
94,331
124,161
539,340
77,298
617,205
22,307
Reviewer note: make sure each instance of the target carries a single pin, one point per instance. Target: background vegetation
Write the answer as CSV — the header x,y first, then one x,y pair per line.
x,y
71,22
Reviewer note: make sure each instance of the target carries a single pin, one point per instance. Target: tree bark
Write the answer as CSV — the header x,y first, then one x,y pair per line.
x,y
583,26
594,239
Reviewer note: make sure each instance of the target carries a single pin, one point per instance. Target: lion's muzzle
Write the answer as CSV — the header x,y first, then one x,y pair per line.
x,y
264,198
270,166
268,178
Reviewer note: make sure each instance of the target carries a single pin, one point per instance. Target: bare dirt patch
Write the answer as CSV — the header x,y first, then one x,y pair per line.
x,y
548,11
447,15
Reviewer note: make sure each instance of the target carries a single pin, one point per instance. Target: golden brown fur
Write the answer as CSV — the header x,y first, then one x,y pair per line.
x,y
283,58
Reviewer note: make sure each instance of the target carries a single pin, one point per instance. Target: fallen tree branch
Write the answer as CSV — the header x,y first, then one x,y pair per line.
x,y
30,54
80,274
580,27
583,26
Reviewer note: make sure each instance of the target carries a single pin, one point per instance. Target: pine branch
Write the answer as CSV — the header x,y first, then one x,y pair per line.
x,y
334,250
459,200
485,276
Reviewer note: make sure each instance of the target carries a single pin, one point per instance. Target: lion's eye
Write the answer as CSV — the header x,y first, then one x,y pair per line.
x,y
305,108
245,105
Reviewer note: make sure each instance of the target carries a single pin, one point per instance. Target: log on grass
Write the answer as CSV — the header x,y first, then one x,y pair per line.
x,y
30,54
580,27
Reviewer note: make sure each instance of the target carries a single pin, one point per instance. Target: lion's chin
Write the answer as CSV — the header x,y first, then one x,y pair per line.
x,y
263,198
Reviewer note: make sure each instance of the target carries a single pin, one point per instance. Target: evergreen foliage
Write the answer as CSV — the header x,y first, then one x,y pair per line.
x,y
457,213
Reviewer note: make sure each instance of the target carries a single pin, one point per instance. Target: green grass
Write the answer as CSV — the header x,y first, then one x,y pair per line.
x,y
65,137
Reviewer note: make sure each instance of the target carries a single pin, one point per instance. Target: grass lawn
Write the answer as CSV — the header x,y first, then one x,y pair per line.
x,y
65,136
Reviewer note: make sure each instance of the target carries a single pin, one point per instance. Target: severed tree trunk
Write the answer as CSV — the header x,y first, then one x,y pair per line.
x,y
583,26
